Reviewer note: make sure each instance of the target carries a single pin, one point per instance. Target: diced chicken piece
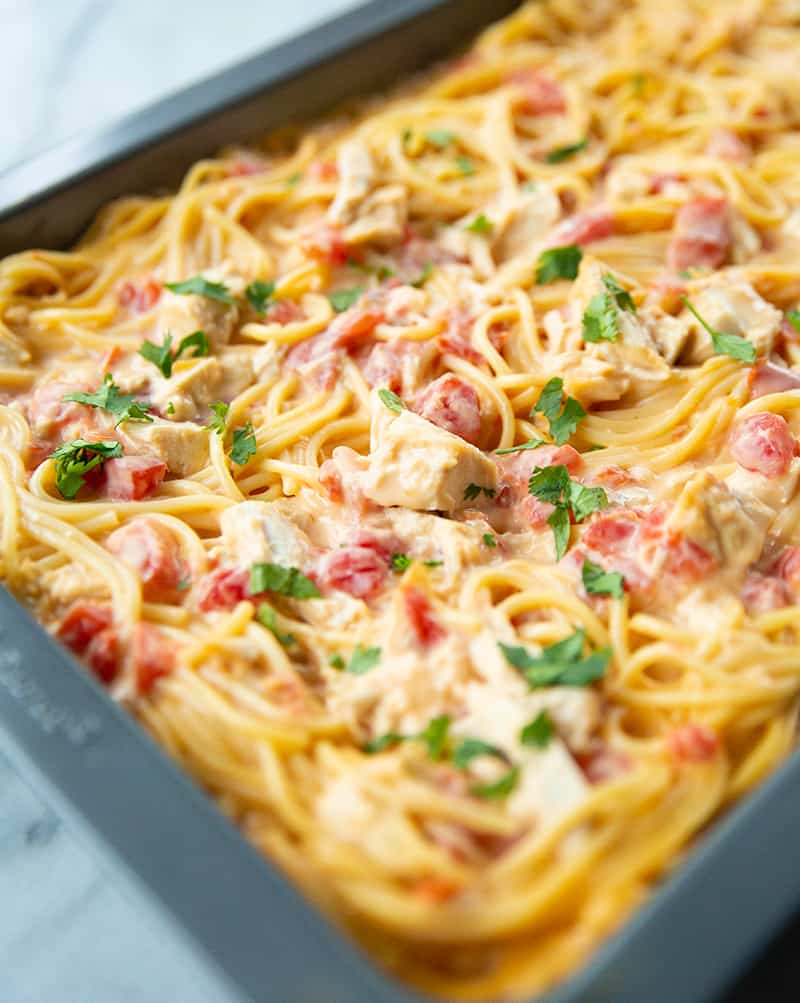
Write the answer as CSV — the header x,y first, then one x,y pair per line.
x,y
400,365
584,228
182,315
775,492
731,527
725,143
183,446
366,212
731,306
607,371
522,223
452,404
150,549
191,388
72,582
701,235
256,532
415,464
13,352
131,478
764,444
237,372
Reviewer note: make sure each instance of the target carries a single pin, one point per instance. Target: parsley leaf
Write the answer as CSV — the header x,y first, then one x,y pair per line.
x,y
560,664
553,485
199,286
558,521
281,580
539,731
599,582
294,179
466,166
432,564
162,355
362,660
440,137
480,224
558,263
108,397
600,319
550,484
725,344
561,153
400,562
345,298
383,742
267,618
563,423
472,491
620,295
244,444
470,748
390,399
499,789
583,501
337,662
489,540
793,316
424,275
74,459
259,294
217,423
435,736
530,444
170,409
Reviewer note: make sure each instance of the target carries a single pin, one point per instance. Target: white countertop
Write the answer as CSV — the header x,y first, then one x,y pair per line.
x,y
67,935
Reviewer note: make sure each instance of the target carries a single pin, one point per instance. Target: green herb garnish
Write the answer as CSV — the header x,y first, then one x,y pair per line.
x,y
561,153
74,459
199,286
560,664
259,294
400,562
489,540
563,421
362,660
390,399
109,398
732,345
499,789
345,298
539,732
282,581
266,616
480,224
600,319
558,263
472,491
599,582
244,444
220,415
553,485
164,358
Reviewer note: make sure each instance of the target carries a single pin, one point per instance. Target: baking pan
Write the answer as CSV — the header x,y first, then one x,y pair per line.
x,y
254,935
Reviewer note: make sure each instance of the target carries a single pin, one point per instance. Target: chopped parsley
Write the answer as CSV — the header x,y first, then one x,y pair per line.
x,y
162,356
499,789
220,416
390,399
108,397
559,664
489,540
530,444
725,344
244,444
170,409
563,421
384,742
424,275
793,316
480,225
599,582
439,137
432,564
259,294
554,485
337,662
558,263
282,581
294,179
362,660
465,165
266,616
539,732
199,286
600,319
619,294
470,748
561,153
74,459
400,562
472,491
435,736
345,298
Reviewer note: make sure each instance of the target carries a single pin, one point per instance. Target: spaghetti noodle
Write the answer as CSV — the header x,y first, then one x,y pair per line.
x,y
425,480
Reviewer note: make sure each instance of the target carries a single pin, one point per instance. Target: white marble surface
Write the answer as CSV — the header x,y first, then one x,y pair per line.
x,y
67,935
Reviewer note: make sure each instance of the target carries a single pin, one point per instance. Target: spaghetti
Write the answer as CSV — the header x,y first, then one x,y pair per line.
x,y
425,480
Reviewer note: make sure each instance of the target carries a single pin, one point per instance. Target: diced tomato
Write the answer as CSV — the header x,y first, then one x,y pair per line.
x,y
330,480
151,550
139,296
608,532
600,763
360,571
520,465
388,362
321,364
539,94
452,404
102,655
82,621
693,743
323,170
222,588
109,357
456,336
701,235
245,165
615,476
326,244
50,416
764,593
382,542
498,335
284,312
534,511
763,443
436,890
660,182
726,144
686,559
420,616
584,228
353,326
771,378
131,478
787,567
153,656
